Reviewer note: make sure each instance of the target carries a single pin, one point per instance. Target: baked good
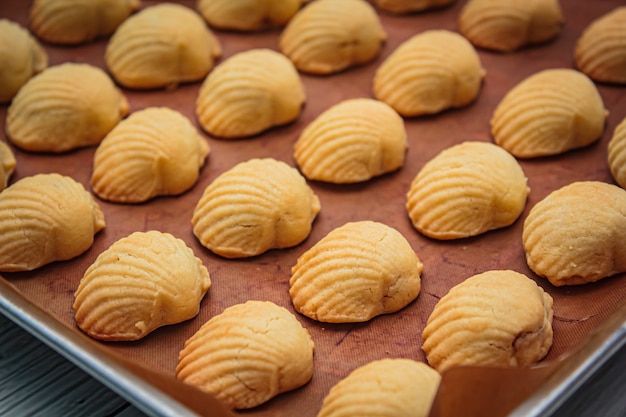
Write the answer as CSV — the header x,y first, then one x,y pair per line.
x,y
156,151
45,218
248,354
7,164
352,141
466,190
617,154
575,234
356,272
495,318
548,113
65,107
329,36
601,49
410,6
248,15
428,73
161,46
72,22
21,56
385,388
508,25
141,282
255,206
249,93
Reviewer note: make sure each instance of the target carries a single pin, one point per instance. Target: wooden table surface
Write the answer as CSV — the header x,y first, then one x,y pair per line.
x,y
37,381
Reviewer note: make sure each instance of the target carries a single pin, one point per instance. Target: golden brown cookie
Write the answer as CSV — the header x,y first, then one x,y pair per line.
x,y
410,6
329,36
7,164
161,46
21,56
548,113
156,151
428,73
496,318
391,387
65,107
143,281
575,235
601,49
72,22
248,354
356,272
352,141
249,93
617,154
466,190
508,25
45,218
255,206
248,15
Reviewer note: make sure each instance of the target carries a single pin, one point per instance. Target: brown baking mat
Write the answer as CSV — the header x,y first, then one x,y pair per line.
x,y
339,347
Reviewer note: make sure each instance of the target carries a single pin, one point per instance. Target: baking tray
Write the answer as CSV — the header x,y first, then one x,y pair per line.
x,y
143,371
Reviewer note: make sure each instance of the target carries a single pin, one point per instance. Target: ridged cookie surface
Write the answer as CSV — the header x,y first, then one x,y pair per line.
x,y
7,164
496,318
356,272
410,6
617,154
466,190
156,151
248,354
141,282
248,15
352,141
45,218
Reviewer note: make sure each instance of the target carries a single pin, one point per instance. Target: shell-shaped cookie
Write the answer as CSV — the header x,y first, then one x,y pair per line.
x,y
65,107
255,206
329,36
7,164
617,154
143,281
161,46
410,6
601,49
72,22
248,354
576,234
496,318
466,190
508,25
356,272
156,151
430,72
249,93
548,113
392,387
248,15
21,56
43,219
352,141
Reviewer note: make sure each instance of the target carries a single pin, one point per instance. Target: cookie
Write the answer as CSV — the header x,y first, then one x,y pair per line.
x,y
248,15
617,154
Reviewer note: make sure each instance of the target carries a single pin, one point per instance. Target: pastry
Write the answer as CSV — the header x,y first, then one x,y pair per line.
x,y
495,318
141,282
466,190
255,206
43,219
249,93
410,6
548,113
356,272
352,141
248,354
161,46
7,164
617,154
156,151
575,234
428,73
248,15
329,36
21,56
65,107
